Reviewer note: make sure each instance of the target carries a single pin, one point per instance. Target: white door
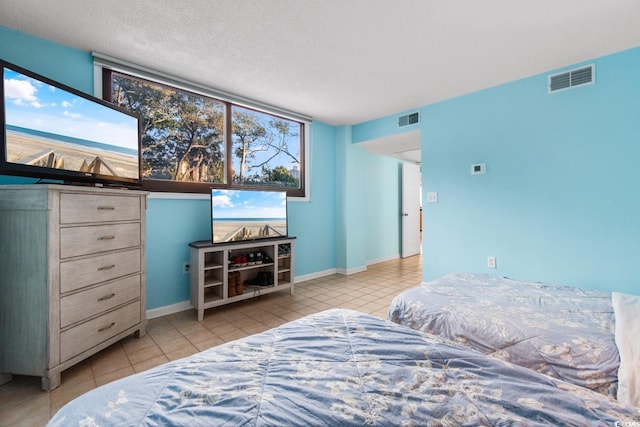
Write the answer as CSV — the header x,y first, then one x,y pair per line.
x,y
410,209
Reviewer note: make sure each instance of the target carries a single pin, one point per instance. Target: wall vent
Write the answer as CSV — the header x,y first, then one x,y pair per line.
x,y
567,80
409,119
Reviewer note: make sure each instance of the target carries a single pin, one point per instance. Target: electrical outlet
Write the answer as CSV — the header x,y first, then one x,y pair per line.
x,y
478,169
185,267
491,262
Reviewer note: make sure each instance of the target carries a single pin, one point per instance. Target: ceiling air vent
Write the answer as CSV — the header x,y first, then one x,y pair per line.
x,y
570,79
408,119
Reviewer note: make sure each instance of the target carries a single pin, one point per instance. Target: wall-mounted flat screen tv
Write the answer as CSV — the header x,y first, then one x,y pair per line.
x,y
240,215
52,131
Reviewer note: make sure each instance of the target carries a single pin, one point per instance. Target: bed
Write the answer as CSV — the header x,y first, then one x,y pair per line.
x,y
341,367
561,331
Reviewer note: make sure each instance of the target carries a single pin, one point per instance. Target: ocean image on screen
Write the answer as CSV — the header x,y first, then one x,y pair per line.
x,y
247,215
47,126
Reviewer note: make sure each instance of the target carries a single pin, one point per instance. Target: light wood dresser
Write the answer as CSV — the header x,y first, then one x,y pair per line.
x,y
72,275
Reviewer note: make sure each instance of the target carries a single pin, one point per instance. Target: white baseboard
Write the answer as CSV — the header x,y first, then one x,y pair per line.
x,y
379,260
349,271
315,275
360,269
186,305
169,309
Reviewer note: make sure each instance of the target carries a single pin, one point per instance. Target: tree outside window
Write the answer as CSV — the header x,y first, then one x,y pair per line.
x,y
266,149
188,146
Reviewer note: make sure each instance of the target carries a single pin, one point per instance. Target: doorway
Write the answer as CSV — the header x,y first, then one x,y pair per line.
x,y
411,214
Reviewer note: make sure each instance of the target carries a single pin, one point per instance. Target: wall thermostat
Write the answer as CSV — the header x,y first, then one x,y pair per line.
x,y
477,169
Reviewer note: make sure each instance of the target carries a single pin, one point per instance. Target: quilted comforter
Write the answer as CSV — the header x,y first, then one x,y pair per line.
x,y
340,368
561,331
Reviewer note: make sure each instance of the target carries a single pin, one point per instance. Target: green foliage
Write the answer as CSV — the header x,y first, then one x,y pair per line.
x,y
182,133
183,137
258,141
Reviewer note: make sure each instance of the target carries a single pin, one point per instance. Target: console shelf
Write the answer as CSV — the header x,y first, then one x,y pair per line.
x,y
216,281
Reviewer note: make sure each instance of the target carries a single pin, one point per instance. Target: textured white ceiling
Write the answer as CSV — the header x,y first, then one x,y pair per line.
x,y
338,61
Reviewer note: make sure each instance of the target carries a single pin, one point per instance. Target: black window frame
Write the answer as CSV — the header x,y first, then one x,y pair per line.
x,y
160,185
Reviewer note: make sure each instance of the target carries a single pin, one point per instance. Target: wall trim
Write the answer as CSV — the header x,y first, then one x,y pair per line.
x,y
186,305
347,272
362,268
379,260
169,309
316,275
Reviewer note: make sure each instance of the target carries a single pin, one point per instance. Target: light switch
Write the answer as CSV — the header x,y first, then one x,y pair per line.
x,y
432,197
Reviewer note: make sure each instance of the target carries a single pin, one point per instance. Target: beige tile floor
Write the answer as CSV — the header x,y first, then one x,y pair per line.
x,y
22,403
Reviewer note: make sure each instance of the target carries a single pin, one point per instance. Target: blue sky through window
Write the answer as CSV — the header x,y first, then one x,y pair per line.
x,y
280,159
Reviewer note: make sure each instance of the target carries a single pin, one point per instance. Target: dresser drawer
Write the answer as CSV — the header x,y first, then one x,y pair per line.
x,y
79,273
79,306
83,208
82,337
75,241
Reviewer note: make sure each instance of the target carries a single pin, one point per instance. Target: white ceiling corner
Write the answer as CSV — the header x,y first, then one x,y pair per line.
x,y
404,146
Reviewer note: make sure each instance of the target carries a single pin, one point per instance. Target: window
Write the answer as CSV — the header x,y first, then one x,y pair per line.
x,y
265,149
192,142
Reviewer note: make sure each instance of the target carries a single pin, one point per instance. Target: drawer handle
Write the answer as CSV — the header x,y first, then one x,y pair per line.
x,y
106,208
104,328
106,267
106,297
106,238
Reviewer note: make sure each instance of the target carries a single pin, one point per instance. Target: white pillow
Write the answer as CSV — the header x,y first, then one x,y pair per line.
x,y
626,309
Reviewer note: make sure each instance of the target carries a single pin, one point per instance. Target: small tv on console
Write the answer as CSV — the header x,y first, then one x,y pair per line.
x,y
241,215
52,131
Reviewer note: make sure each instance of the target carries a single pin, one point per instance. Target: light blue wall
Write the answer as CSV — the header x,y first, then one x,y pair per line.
x,y
55,61
314,223
559,201
368,205
383,195
351,203
173,223
45,57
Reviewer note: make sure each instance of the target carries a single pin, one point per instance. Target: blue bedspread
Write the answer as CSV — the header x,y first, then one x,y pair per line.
x,y
561,331
340,368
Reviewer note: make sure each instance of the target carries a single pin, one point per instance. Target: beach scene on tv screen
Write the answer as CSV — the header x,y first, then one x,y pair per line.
x,y
50,127
247,215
